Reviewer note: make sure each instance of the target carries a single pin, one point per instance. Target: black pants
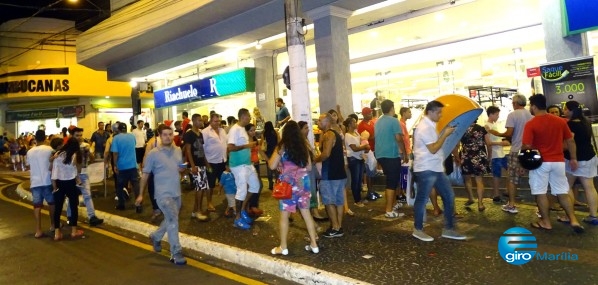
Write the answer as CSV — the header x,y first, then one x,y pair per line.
x,y
151,188
66,188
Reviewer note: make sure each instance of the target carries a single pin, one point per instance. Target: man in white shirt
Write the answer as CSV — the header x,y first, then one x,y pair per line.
x,y
140,139
38,159
215,144
428,170
497,155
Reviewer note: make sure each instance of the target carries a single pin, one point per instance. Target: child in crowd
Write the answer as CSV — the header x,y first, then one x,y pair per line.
x,y
227,181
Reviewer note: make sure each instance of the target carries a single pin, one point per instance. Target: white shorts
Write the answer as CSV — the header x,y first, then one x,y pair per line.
x,y
587,169
15,158
552,173
245,175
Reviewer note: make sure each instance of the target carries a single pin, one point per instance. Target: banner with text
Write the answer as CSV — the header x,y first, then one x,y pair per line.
x,y
571,80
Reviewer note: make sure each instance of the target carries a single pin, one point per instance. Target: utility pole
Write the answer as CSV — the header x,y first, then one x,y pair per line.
x,y
297,64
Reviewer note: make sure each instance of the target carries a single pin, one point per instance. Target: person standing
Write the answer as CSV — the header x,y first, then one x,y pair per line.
x,y
38,158
282,115
258,121
65,167
123,151
405,115
270,139
428,170
165,163
516,120
84,187
149,133
367,125
293,156
140,140
498,160
183,125
474,162
334,176
355,151
194,153
549,142
215,144
254,203
389,147
98,140
239,148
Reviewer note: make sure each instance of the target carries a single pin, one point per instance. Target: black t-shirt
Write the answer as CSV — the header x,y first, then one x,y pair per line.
x,y
197,152
583,141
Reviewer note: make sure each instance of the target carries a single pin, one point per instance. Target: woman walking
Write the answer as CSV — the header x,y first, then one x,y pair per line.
x,y
66,166
474,161
293,155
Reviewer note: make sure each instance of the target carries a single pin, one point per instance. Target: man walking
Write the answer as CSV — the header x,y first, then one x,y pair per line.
x,y
282,115
389,147
428,169
164,162
84,186
516,120
194,152
549,141
38,158
123,151
98,140
215,143
334,177
239,148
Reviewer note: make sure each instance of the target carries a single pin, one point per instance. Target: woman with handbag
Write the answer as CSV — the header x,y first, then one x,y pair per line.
x,y
294,159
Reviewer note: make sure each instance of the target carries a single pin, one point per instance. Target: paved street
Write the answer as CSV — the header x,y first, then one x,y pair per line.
x,y
381,251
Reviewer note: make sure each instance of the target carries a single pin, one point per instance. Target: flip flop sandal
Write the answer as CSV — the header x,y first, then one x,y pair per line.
x,y
578,229
78,235
42,235
561,220
537,225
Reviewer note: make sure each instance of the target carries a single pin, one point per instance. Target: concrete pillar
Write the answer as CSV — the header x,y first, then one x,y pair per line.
x,y
265,83
332,57
557,46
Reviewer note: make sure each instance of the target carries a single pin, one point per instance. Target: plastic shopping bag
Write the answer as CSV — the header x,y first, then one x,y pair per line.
x,y
456,177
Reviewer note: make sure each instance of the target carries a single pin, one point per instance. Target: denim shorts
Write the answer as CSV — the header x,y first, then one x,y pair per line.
x,y
41,193
498,164
332,192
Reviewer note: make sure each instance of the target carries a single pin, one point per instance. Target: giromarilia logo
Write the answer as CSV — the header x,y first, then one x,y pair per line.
x,y
517,246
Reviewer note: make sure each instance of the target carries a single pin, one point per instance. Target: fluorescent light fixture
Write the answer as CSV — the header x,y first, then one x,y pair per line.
x,y
133,83
258,45
376,7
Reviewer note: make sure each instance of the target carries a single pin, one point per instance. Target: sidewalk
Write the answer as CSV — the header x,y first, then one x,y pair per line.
x,y
374,249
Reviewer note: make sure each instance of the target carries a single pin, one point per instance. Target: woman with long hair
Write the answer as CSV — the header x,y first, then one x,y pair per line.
x,y
254,202
270,138
355,152
586,159
293,155
337,120
258,121
313,203
66,166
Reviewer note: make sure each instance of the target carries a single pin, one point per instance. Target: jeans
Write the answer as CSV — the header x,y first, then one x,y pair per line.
x,y
151,189
170,207
425,181
356,169
85,189
122,179
66,188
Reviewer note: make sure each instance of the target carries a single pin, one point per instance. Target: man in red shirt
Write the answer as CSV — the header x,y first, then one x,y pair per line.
x,y
546,133
367,124
185,122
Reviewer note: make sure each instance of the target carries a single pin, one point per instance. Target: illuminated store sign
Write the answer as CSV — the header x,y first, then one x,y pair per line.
x,y
238,81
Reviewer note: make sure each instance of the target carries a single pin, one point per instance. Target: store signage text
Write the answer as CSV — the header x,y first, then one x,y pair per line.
x,y
63,112
39,85
238,81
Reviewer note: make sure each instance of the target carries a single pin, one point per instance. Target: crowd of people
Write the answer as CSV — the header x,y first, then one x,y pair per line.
x,y
348,154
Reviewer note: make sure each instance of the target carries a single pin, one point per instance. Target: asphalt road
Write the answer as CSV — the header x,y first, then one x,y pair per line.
x,y
101,258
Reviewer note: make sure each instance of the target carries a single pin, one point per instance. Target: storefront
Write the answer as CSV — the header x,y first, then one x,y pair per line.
x,y
223,93
51,120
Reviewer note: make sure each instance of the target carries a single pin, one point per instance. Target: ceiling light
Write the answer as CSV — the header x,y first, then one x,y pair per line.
x,y
258,45
73,1
376,7
374,34
107,97
133,83
439,17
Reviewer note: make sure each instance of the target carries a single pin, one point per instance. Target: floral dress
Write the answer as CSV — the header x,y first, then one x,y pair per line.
x,y
474,159
299,179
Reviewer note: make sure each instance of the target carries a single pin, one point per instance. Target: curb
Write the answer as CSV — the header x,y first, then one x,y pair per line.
x,y
288,270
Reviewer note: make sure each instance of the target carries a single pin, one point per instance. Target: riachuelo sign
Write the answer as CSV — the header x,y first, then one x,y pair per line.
x,y
237,81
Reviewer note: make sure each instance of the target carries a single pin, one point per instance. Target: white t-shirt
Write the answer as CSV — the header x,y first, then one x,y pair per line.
x,y
237,135
85,151
517,120
39,162
140,137
64,172
425,134
497,151
355,140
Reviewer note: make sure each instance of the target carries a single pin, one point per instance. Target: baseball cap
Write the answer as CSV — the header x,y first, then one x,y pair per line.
x,y
366,111
122,127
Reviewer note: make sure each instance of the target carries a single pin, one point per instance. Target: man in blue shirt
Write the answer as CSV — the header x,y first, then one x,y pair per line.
x,y
123,151
282,115
389,146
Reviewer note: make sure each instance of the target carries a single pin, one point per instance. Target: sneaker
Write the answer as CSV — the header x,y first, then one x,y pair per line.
x,y
452,234
377,195
240,224
496,199
330,233
402,199
94,221
339,233
591,220
155,243
126,194
371,197
419,234
201,217
510,209
393,215
245,217
178,259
